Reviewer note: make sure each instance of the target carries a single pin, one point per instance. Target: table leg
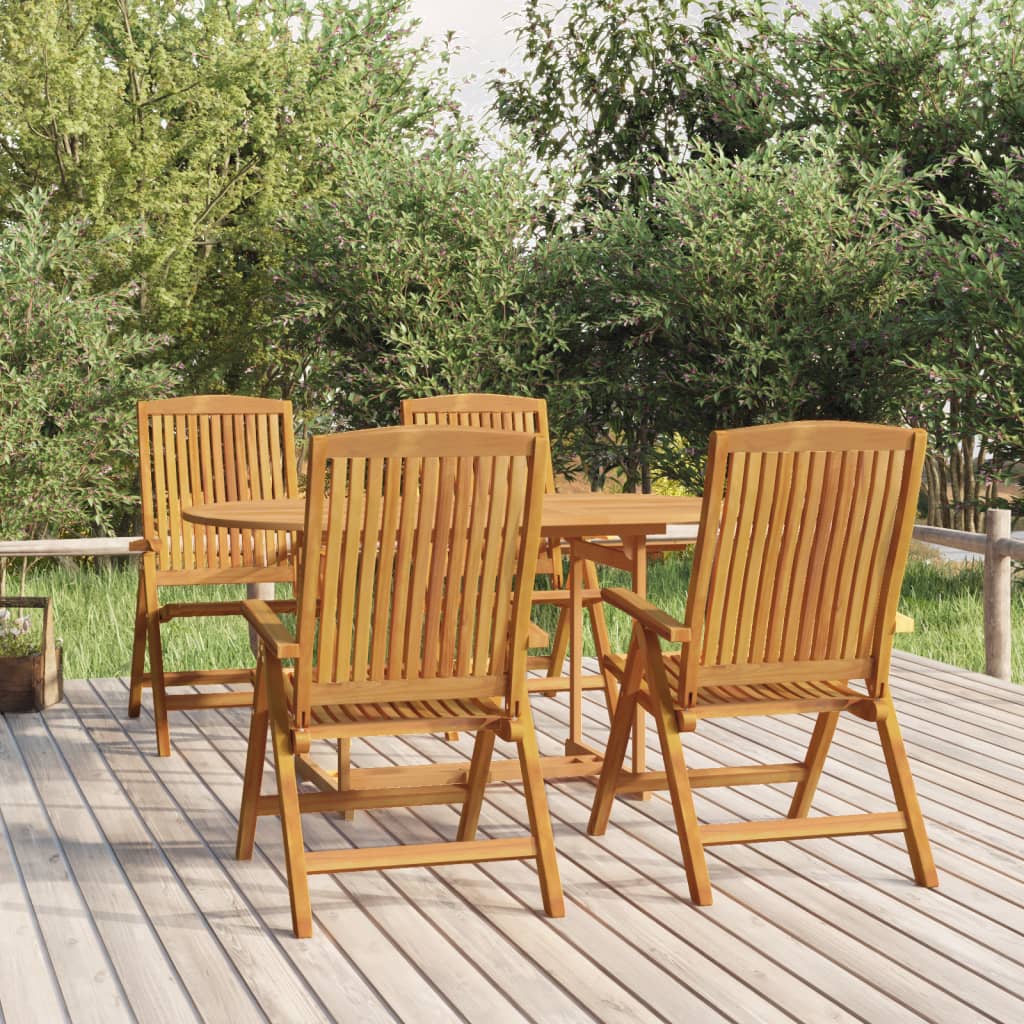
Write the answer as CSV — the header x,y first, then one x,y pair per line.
x,y
575,654
599,631
638,553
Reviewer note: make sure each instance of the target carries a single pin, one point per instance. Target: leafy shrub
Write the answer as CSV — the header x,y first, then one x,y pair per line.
x,y
416,277
70,374
747,291
18,638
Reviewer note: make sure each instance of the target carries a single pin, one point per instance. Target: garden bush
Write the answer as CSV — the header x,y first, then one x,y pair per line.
x,y
71,370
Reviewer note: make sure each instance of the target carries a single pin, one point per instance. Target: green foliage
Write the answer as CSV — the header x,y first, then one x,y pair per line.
x,y
620,88
752,290
416,277
945,602
94,611
70,374
922,78
971,359
785,284
941,86
94,615
195,126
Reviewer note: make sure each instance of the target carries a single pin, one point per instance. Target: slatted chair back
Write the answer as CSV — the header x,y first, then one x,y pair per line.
x,y
519,415
492,412
215,448
803,540
417,543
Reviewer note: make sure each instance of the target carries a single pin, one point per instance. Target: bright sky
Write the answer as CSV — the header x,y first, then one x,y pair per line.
x,y
480,28
480,32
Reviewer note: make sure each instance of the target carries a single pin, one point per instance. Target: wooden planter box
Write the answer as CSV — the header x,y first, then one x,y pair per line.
x,y
34,681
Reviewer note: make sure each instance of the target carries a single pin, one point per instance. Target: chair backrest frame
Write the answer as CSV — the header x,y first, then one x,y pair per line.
x,y
393,516
204,448
803,541
488,411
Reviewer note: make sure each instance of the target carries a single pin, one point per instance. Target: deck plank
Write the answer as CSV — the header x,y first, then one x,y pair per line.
x,y
275,991
152,986
460,921
82,966
122,900
425,948
254,884
28,985
82,734
522,880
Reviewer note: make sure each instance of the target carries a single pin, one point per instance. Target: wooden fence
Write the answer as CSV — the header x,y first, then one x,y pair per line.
x,y
999,550
996,545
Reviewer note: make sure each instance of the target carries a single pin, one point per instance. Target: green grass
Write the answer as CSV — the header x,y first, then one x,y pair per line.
x,y
94,611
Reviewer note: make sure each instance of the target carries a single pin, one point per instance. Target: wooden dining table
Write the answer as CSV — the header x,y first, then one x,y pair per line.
x,y
605,527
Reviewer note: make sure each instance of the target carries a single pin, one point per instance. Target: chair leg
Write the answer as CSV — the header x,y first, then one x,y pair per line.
x,y
540,818
618,740
685,813
559,646
906,800
479,770
345,773
156,664
821,740
288,797
138,653
254,760
611,765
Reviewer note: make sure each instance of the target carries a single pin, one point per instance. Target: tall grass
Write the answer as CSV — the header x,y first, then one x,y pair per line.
x,y
95,612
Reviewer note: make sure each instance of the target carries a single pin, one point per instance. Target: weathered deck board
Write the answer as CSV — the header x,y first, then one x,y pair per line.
x,y
121,899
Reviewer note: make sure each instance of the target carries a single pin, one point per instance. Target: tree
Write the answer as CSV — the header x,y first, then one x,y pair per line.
x,y
941,86
619,89
71,370
417,276
182,132
767,290
912,84
618,93
970,364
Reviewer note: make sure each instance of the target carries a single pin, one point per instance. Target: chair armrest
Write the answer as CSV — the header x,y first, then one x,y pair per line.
x,y
270,629
904,624
648,615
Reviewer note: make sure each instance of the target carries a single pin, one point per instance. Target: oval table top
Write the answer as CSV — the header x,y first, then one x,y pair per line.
x,y
565,515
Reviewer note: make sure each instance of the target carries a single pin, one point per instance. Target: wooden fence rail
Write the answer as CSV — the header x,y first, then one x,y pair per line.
x,y
68,548
999,550
996,545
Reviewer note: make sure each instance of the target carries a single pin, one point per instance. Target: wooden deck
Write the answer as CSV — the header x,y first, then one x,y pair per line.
x,y
120,898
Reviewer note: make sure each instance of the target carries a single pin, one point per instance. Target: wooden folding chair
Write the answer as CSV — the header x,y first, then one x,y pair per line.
x,y
791,609
529,415
412,618
191,450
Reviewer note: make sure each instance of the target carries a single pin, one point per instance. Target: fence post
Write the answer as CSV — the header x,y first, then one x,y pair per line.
x,y
997,593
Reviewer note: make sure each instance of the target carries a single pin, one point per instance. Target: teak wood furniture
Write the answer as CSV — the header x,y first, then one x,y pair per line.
x,y
629,516
627,552
522,415
412,617
200,449
791,609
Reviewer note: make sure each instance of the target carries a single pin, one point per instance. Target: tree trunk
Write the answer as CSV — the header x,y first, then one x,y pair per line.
x,y
933,489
